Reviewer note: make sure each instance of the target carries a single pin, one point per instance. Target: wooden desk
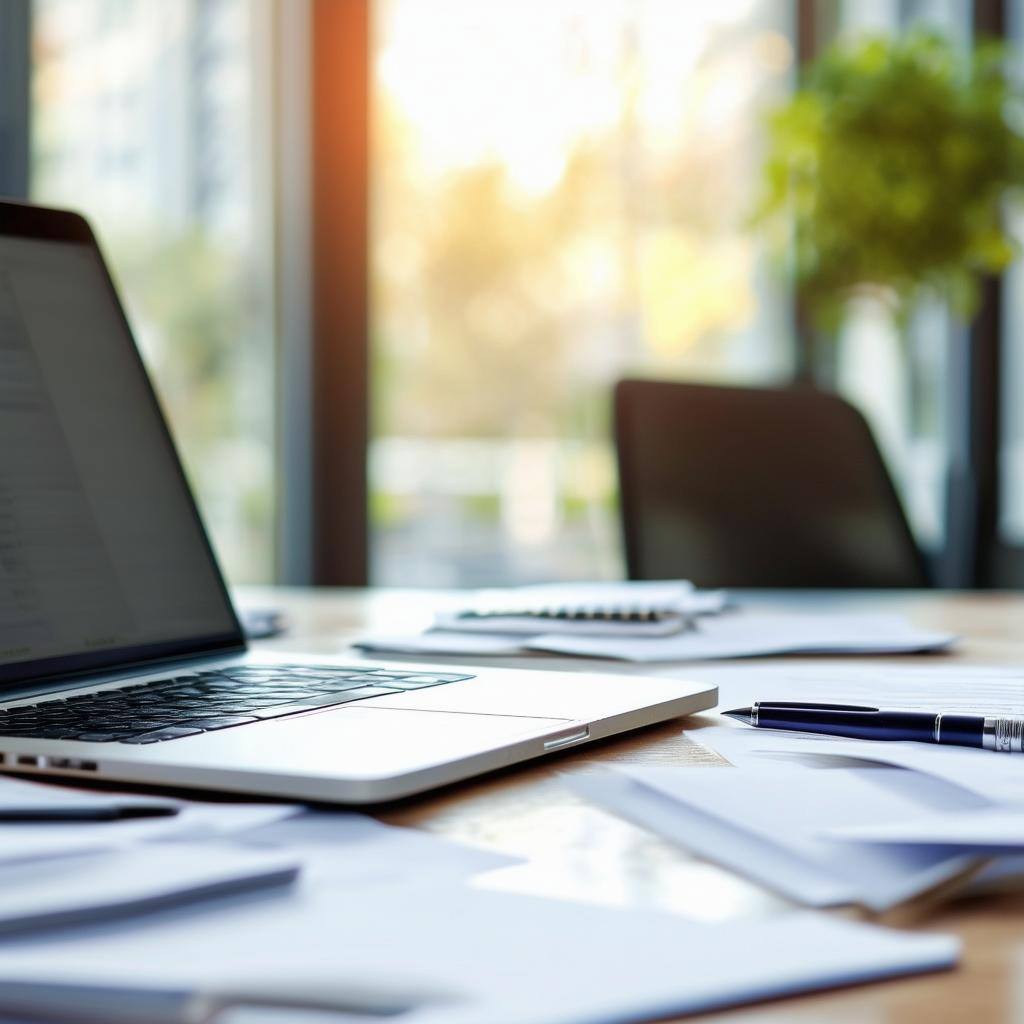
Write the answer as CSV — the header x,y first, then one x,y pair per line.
x,y
577,851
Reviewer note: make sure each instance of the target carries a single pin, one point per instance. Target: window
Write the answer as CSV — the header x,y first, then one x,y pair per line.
x,y
144,117
1011,519
901,383
561,194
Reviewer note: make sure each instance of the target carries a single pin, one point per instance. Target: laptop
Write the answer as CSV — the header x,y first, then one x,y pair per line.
x,y
121,657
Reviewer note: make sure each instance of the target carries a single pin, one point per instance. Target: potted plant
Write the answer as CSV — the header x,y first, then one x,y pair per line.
x,y
886,173
885,181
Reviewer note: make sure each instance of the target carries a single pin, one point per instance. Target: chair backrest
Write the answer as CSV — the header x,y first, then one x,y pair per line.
x,y
752,487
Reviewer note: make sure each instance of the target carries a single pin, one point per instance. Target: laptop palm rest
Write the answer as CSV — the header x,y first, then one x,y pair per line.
x,y
356,742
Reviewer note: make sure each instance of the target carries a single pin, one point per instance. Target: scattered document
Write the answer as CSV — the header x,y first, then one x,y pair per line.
x,y
993,830
195,819
445,644
447,955
34,801
753,634
985,689
337,848
961,808
767,824
100,885
737,634
36,839
995,777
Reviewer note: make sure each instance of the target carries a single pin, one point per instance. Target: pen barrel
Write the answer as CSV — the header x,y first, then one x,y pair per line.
x,y
960,730
872,725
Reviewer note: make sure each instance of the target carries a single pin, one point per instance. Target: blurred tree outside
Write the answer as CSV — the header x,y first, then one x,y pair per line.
x,y
887,171
549,216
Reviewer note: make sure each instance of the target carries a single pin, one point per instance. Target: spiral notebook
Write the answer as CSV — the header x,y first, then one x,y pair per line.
x,y
583,609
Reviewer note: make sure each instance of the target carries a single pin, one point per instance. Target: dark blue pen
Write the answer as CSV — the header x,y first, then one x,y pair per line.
x,y
989,732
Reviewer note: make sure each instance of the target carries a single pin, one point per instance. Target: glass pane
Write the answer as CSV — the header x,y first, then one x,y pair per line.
x,y
561,198
899,380
1011,519
143,118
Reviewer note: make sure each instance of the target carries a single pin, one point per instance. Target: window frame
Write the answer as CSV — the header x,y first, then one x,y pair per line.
x,y
15,96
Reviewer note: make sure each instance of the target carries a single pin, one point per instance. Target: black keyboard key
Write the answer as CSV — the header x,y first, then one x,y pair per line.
x,y
360,693
239,689
225,722
136,727
310,670
280,710
293,707
170,733
336,685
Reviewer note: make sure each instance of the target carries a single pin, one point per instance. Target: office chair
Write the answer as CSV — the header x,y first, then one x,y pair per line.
x,y
751,487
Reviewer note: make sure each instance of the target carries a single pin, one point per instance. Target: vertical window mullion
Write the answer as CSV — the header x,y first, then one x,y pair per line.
x,y
15,97
340,276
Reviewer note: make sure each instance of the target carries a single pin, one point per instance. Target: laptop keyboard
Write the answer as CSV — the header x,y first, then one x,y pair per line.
x,y
198,702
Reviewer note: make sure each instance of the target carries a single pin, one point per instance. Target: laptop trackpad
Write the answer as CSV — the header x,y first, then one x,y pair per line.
x,y
361,742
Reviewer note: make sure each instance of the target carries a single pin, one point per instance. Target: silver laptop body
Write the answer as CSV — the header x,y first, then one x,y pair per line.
x,y
121,657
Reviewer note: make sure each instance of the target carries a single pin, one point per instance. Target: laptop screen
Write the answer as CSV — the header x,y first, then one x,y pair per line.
x,y
103,560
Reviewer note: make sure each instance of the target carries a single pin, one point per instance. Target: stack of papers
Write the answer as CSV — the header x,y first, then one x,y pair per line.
x,y
583,609
734,634
974,799
771,824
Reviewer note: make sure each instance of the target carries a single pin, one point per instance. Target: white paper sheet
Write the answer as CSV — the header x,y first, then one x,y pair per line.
x,y
935,686
93,886
480,645
23,799
753,634
457,955
27,841
31,840
766,824
738,634
960,792
992,830
991,777
342,849
996,776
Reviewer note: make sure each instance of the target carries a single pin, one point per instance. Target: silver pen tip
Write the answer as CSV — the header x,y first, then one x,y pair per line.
x,y
740,714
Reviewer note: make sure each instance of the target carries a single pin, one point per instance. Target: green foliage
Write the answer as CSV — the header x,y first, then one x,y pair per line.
x,y
887,171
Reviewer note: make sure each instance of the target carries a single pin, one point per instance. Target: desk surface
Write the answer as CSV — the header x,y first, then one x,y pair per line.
x,y
576,851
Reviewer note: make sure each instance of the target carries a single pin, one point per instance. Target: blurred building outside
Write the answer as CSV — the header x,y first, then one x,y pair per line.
x,y
145,117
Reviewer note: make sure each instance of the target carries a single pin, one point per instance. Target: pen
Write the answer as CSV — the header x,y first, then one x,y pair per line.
x,y
42,814
989,732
